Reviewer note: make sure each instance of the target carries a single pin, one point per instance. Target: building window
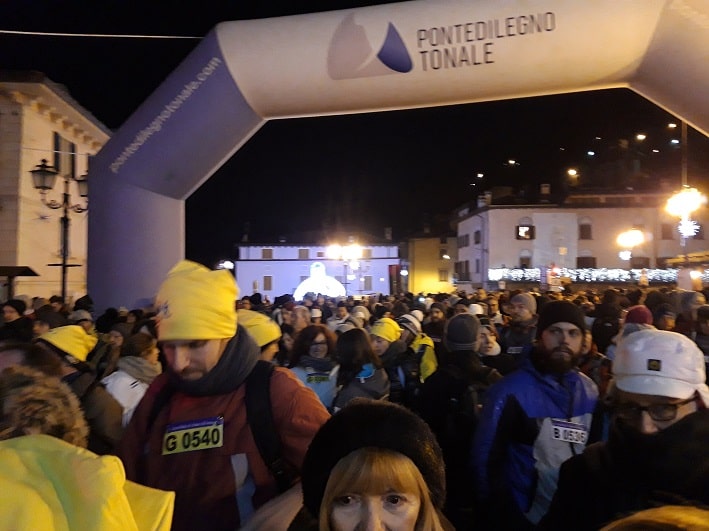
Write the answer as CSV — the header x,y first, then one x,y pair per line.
x,y
366,254
586,262
442,253
320,254
477,236
267,254
524,232
639,262
443,240
64,156
585,232
303,254
525,262
464,240
367,282
267,283
442,275
477,265
662,262
667,231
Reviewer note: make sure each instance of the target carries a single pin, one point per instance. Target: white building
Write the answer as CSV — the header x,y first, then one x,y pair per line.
x,y
278,269
39,120
577,236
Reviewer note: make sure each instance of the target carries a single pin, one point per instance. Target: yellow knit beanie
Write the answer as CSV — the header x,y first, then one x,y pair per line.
x,y
261,327
194,302
387,329
71,339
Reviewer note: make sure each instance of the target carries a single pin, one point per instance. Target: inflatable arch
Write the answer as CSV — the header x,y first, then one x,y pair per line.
x,y
396,56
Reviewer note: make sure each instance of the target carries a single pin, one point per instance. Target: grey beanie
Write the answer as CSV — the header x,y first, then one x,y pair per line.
x,y
461,332
527,299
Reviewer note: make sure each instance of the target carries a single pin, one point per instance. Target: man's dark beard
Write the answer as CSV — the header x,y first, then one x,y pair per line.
x,y
556,361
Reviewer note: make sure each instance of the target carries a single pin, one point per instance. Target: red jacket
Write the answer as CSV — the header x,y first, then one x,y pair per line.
x,y
216,487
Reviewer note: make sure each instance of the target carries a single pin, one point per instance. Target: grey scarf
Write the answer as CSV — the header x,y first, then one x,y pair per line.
x,y
236,363
139,368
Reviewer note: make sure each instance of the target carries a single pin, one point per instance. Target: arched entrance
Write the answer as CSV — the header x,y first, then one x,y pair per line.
x,y
388,57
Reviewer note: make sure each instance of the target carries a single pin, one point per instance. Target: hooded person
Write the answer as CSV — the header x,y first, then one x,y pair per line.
x,y
656,448
421,346
45,468
71,344
191,428
402,369
369,451
449,405
17,326
532,421
517,336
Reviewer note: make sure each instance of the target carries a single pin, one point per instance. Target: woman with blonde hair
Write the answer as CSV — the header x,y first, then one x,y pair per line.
x,y
375,463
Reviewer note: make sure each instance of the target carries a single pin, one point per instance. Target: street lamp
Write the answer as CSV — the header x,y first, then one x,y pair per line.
x,y
349,254
627,240
44,177
681,205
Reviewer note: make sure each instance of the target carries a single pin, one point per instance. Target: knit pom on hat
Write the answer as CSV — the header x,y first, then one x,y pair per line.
x,y
261,327
560,312
194,302
461,332
368,423
70,340
387,329
640,314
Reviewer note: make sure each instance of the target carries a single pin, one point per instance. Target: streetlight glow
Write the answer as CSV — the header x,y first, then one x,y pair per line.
x,y
630,238
684,202
640,137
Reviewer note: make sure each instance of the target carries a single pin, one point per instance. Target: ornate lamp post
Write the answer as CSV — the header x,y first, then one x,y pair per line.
x,y
44,177
349,254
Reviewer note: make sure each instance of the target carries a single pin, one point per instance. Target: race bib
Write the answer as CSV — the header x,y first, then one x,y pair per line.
x,y
562,430
193,435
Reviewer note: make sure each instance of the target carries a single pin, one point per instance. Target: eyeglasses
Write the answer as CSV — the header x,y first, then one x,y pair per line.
x,y
657,412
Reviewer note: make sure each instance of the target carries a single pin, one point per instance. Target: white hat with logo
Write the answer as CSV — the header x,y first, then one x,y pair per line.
x,y
658,362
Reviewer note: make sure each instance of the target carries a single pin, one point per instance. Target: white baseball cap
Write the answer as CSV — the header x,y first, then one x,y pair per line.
x,y
658,362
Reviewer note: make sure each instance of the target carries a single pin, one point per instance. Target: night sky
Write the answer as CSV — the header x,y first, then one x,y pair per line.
x,y
362,172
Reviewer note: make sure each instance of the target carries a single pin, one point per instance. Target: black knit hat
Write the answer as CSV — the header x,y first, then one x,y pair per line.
x,y
461,332
17,304
372,423
560,312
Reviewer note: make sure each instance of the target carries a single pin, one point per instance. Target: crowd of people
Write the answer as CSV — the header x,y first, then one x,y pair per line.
x,y
503,410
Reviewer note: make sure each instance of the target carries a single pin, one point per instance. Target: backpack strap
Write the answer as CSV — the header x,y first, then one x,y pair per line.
x,y
260,418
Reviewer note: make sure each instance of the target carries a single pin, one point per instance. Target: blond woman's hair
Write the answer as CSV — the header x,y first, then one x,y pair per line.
x,y
665,518
377,471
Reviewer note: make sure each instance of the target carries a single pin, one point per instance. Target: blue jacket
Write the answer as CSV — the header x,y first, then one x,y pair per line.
x,y
530,423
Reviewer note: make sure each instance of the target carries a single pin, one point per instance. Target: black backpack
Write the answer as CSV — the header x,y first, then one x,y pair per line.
x,y
259,415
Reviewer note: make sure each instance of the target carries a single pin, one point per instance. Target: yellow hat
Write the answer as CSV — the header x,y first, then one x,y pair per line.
x,y
196,303
262,328
387,329
72,340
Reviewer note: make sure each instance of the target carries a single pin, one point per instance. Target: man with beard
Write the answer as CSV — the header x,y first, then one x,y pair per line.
x,y
517,336
434,326
656,453
192,433
533,420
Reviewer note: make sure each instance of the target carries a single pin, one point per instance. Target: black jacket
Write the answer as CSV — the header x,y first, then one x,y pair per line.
x,y
632,472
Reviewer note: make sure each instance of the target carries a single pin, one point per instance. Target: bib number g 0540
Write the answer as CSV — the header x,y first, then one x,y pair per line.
x,y
194,435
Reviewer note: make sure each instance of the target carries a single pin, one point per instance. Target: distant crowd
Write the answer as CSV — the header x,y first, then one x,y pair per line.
x,y
511,409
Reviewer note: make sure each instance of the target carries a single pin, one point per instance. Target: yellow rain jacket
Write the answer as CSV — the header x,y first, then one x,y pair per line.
x,y
49,484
